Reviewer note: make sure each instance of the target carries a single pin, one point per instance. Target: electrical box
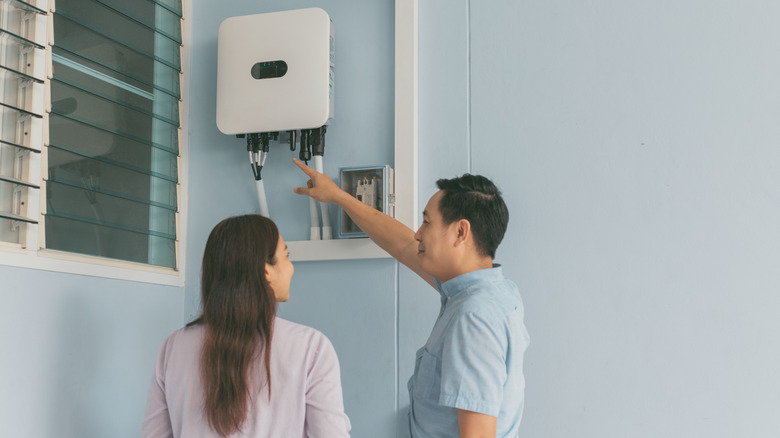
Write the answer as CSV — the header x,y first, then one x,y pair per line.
x,y
373,186
275,71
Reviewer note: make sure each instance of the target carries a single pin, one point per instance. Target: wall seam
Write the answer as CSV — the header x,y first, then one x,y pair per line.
x,y
397,368
468,84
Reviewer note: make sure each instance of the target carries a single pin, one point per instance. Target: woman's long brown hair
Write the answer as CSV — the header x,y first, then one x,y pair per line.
x,y
238,315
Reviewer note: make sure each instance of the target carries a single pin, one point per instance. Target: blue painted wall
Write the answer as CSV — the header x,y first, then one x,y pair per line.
x,y
636,144
76,352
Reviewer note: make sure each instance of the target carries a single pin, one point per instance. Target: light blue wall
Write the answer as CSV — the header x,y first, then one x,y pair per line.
x,y
76,353
636,144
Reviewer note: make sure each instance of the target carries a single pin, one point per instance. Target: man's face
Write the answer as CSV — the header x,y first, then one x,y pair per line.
x,y
435,239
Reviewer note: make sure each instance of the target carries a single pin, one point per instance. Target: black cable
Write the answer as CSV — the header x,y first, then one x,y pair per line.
x,y
305,153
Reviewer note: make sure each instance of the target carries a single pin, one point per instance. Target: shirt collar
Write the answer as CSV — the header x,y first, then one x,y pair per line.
x,y
453,286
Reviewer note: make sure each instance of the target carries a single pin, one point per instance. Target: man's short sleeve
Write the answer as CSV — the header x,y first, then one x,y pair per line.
x,y
473,365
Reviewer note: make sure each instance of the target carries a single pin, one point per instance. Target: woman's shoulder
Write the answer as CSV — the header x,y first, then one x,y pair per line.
x,y
187,336
282,325
188,332
293,332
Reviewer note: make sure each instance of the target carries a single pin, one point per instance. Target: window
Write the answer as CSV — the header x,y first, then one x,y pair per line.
x,y
110,135
22,73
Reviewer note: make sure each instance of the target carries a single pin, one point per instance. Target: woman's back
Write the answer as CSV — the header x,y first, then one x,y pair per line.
x,y
306,398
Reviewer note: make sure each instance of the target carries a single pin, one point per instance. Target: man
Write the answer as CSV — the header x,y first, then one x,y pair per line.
x,y
468,378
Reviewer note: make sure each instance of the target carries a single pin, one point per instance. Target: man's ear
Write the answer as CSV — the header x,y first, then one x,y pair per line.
x,y
463,231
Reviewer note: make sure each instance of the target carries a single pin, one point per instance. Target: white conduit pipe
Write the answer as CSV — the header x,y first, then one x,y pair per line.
x,y
314,233
327,231
262,199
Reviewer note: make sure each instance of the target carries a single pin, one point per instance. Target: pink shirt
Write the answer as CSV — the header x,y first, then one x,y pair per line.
x,y
306,399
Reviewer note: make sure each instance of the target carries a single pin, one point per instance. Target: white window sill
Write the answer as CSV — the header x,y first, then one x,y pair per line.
x,y
58,261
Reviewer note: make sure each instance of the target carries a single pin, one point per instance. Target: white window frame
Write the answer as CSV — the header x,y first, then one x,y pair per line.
x,y
29,254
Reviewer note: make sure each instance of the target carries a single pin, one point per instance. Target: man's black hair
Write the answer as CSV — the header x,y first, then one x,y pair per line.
x,y
476,199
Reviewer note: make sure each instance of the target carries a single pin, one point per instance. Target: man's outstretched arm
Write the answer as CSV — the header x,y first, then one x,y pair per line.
x,y
391,235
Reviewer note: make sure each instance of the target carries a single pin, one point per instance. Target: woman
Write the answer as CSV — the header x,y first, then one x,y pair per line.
x,y
238,370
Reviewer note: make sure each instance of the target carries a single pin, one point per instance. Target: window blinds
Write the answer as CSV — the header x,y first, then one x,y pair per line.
x,y
112,177
23,37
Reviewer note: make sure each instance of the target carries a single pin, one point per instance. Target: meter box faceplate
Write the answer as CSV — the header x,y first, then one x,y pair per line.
x,y
372,185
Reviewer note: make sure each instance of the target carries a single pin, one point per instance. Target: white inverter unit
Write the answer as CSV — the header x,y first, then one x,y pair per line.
x,y
275,72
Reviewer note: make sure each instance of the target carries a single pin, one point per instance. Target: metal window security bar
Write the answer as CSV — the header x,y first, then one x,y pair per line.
x,y
23,40
112,177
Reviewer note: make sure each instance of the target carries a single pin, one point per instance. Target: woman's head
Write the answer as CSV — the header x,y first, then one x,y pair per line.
x,y
279,272
245,263
246,270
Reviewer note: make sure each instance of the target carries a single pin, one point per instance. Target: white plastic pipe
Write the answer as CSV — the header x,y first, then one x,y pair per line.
x,y
327,231
314,231
262,199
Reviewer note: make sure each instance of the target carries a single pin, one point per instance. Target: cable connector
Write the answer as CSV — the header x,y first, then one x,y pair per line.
x,y
305,153
318,140
257,146
292,139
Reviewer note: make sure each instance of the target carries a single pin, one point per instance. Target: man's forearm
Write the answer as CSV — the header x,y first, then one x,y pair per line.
x,y
476,425
387,232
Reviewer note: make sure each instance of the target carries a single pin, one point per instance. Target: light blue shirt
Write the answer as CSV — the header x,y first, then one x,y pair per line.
x,y
473,359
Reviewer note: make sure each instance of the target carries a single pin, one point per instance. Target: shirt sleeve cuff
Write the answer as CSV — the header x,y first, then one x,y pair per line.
x,y
460,402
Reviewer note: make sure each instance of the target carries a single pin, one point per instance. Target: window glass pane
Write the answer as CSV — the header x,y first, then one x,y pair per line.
x,y
161,104
110,210
70,135
167,79
147,13
21,91
167,50
8,232
62,57
113,117
168,23
21,19
12,215
26,5
16,78
76,38
18,54
8,125
102,177
119,28
6,34
15,127
174,5
7,156
83,237
8,159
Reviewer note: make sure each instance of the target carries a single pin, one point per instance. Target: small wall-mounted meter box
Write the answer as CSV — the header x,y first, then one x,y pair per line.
x,y
370,185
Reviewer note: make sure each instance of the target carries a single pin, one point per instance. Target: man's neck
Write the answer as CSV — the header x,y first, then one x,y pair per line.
x,y
465,267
